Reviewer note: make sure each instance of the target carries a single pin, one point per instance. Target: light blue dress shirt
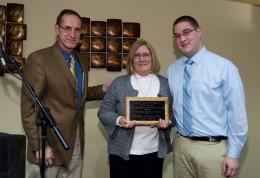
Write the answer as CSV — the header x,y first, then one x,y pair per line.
x,y
218,100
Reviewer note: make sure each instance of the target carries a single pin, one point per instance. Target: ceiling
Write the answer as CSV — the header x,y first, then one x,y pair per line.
x,y
253,2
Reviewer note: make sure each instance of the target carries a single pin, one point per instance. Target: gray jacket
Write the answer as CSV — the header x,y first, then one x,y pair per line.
x,y
113,106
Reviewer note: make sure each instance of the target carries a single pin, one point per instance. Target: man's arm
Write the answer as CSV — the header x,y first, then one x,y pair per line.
x,y
98,92
234,99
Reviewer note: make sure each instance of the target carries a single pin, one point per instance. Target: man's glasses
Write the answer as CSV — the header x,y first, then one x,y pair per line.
x,y
144,55
68,29
185,33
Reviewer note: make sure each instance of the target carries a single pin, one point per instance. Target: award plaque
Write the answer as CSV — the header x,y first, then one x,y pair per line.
x,y
147,110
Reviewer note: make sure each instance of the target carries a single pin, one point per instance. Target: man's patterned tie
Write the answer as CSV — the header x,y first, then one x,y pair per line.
x,y
187,112
72,68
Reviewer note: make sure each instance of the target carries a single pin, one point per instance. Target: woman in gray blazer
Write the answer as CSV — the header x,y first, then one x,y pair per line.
x,y
134,150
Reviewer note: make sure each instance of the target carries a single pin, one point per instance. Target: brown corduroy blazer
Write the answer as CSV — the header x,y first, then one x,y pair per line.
x,y
48,73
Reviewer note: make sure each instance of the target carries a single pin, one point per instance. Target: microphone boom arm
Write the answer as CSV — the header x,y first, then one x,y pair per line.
x,y
46,114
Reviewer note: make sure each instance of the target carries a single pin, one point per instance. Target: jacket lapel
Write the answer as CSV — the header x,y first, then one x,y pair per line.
x,y
62,65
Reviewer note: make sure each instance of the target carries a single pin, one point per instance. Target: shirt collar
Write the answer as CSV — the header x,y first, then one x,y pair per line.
x,y
197,58
66,54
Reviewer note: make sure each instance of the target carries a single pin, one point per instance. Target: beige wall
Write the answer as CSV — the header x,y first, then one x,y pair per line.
x,y
229,28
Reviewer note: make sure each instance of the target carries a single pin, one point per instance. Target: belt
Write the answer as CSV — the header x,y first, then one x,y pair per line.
x,y
208,139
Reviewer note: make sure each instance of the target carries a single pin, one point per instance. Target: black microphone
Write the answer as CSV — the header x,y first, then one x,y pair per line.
x,y
2,55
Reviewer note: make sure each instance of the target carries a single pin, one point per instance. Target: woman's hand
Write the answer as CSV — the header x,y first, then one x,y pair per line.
x,y
161,124
126,125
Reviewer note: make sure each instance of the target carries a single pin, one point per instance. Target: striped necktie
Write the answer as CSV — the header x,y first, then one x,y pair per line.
x,y
187,112
72,67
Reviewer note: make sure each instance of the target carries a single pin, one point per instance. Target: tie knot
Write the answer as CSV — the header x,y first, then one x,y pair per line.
x,y
189,62
71,57
72,60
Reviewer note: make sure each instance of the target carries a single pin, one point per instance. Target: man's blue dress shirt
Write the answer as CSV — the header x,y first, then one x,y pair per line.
x,y
79,72
218,100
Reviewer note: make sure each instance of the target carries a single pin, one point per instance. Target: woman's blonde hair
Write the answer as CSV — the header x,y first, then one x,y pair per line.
x,y
155,68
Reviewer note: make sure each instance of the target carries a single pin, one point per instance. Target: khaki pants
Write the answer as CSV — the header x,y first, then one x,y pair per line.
x,y
198,159
71,170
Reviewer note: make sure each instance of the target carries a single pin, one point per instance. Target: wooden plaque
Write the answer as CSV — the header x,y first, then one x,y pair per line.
x,y
147,110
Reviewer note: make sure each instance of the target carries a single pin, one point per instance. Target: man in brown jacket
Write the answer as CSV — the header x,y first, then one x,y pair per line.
x,y
49,73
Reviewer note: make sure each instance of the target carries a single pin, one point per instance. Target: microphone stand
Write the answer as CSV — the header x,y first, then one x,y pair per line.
x,y
47,118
